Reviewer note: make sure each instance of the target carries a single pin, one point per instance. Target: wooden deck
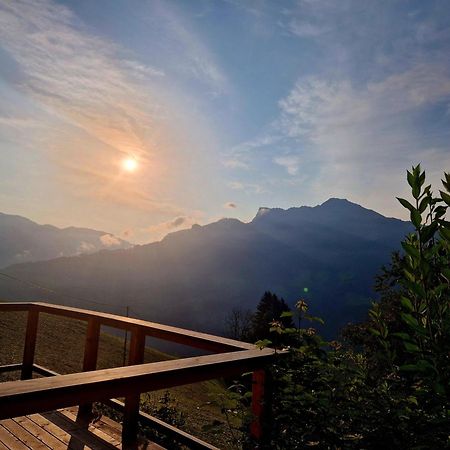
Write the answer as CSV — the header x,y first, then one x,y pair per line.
x,y
23,402
60,430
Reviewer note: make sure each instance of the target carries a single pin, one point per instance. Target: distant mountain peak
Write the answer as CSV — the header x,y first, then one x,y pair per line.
x,y
23,240
262,210
340,203
337,201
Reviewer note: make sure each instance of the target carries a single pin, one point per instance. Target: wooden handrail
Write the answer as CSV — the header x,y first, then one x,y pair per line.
x,y
191,338
38,395
44,394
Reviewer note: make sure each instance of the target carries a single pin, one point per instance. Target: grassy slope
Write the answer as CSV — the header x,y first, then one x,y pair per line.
x,y
60,347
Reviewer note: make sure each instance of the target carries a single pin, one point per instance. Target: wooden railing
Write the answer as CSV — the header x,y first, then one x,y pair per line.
x,y
28,396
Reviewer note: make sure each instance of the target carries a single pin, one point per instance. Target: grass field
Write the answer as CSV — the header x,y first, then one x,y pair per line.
x,y
60,347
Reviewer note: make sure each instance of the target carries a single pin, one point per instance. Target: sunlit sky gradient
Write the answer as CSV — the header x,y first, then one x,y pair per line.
x,y
225,105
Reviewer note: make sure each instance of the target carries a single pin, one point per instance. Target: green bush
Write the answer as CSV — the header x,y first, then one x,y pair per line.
x,y
391,388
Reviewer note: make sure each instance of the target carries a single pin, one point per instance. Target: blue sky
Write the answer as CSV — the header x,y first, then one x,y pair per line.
x,y
225,105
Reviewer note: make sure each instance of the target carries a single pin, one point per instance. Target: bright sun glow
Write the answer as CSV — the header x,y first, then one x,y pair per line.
x,y
129,164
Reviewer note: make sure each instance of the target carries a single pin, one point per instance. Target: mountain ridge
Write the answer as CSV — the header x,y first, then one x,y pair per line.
x,y
24,240
329,254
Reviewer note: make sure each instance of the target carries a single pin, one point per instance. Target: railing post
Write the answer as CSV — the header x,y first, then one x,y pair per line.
x,y
260,405
30,344
90,360
131,410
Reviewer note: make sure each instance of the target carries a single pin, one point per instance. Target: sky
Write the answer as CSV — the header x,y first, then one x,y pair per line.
x,y
223,105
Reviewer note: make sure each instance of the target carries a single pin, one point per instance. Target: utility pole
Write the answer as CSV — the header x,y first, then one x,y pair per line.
x,y
125,342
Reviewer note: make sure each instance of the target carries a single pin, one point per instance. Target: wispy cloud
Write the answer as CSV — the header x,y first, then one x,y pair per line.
x,y
193,56
230,205
62,65
362,138
253,188
95,102
159,230
354,130
290,162
109,240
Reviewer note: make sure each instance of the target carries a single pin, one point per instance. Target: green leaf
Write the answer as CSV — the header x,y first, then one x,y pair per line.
x,y
440,211
409,368
410,178
423,204
446,182
445,197
404,336
263,343
425,365
428,231
416,192
406,303
421,366
409,275
410,320
414,287
314,319
405,203
416,218
411,250
422,178
374,332
410,347
286,314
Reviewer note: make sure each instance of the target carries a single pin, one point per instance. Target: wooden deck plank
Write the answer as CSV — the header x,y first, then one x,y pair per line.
x,y
60,430
92,428
43,435
24,435
111,427
58,433
10,441
76,431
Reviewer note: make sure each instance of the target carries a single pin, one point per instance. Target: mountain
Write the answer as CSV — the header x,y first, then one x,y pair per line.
x,y
22,240
328,254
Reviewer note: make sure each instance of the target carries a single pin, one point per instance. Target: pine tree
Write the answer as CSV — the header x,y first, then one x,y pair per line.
x,y
269,310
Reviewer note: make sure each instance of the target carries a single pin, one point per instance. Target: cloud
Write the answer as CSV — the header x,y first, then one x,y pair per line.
x,y
289,162
62,65
377,102
127,234
193,57
108,240
246,187
25,255
85,247
305,29
240,156
235,163
362,138
230,205
159,230
89,103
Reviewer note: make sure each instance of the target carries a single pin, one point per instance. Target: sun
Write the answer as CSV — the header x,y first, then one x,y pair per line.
x,y
129,164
